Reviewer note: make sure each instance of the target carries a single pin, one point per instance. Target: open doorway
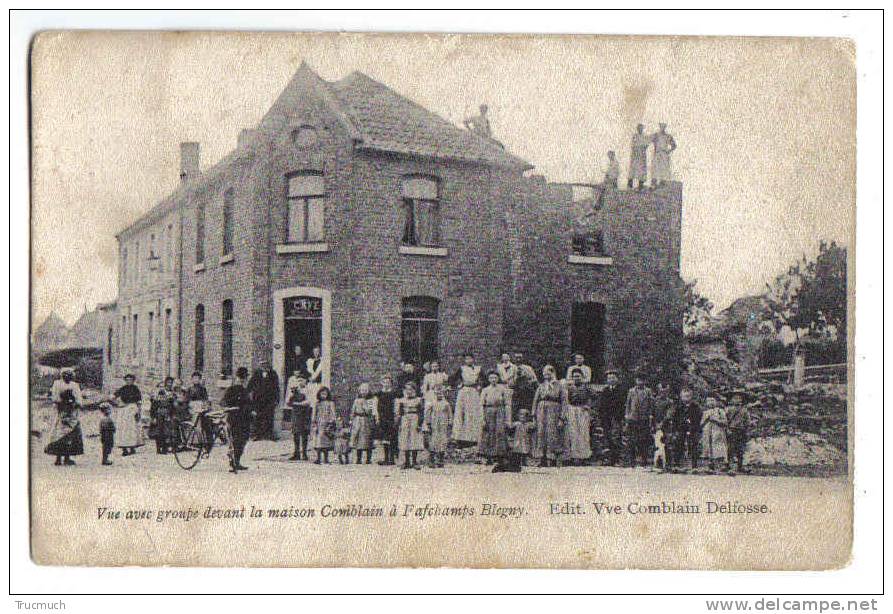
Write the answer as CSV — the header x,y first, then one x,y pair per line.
x,y
588,336
303,332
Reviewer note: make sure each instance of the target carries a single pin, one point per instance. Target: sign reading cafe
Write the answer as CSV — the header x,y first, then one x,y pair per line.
x,y
303,307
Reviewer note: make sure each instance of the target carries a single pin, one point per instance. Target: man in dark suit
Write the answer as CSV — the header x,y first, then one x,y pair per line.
x,y
264,391
239,419
610,412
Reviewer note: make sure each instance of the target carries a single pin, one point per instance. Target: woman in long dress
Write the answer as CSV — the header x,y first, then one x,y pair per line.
x,y
577,419
322,424
468,417
438,422
128,417
496,406
714,447
549,402
409,414
365,407
66,439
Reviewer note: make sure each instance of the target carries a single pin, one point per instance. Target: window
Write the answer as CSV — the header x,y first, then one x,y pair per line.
x,y
199,233
135,337
199,338
121,333
306,207
228,198
124,279
590,243
110,339
150,339
422,210
226,336
419,330
167,342
170,247
304,137
138,266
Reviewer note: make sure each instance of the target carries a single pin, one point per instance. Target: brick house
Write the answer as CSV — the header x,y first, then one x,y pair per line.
x,y
354,220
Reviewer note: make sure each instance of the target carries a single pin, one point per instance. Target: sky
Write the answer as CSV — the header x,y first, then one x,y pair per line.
x,y
765,129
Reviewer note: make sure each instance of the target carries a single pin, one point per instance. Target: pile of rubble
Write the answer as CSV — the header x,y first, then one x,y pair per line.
x,y
790,427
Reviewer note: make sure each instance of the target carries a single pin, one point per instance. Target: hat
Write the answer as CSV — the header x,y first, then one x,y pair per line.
x,y
611,370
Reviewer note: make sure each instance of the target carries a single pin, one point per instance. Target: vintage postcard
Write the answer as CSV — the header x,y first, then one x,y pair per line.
x,y
418,300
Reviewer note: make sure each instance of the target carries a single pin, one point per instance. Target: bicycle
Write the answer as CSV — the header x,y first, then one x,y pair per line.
x,y
191,444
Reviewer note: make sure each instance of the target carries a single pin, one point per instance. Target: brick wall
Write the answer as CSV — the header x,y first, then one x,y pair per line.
x,y
639,289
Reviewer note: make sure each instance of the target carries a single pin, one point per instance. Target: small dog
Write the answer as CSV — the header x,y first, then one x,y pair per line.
x,y
660,451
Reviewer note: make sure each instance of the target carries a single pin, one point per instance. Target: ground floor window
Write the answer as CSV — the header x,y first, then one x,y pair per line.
x,y
200,338
419,329
226,337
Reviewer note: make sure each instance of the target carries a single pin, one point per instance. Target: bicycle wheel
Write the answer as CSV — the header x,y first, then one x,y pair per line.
x,y
191,445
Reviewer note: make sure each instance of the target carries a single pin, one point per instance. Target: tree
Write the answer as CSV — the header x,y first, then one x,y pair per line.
x,y
698,308
822,297
782,306
810,298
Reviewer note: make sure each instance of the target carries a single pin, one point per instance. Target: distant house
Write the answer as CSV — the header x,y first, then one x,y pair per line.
x,y
83,346
52,334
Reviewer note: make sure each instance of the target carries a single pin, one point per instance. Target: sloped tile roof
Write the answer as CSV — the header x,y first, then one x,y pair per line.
x,y
390,122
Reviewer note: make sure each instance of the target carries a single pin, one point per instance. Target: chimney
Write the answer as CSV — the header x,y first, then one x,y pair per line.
x,y
189,161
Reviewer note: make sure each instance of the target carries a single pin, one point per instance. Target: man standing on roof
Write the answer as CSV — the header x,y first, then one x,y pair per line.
x,y
479,124
638,167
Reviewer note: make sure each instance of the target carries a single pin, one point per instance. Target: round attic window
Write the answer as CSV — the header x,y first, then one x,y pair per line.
x,y
305,137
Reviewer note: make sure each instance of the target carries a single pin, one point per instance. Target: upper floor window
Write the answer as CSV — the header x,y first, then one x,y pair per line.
x,y
124,279
589,243
306,207
422,211
170,247
304,137
138,264
199,233
228,198
153,260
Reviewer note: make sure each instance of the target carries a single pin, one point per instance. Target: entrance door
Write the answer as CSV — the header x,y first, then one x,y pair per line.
x,y
303,331
588,335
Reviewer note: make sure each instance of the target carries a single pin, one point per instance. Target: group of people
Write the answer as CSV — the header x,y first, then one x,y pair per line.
x,y
512,417
508,415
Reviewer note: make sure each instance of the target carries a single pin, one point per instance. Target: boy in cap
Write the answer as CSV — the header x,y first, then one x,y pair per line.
x,y
739,423
106,432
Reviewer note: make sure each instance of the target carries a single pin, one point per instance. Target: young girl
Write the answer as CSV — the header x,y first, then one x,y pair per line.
x,y
435,378
713,435
322,424
410,439
365,407
438,421
522,436
342,441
